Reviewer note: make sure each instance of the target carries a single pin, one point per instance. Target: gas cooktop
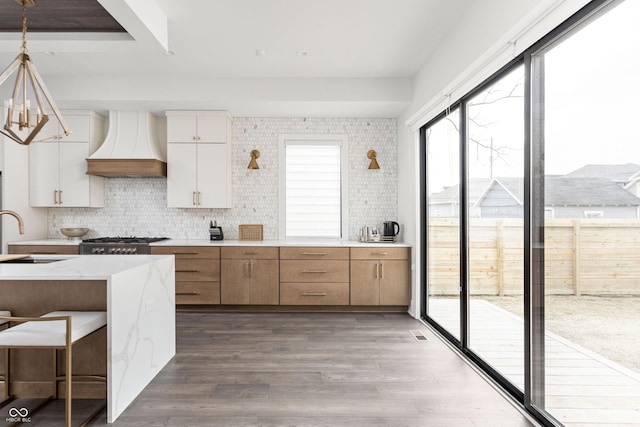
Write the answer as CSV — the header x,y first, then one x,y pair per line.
x,y
125,240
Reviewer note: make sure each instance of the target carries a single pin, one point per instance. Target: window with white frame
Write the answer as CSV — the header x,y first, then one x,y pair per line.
x,y
313,176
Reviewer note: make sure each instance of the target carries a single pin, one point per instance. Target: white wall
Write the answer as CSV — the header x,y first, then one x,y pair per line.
x,y
489,35
15,195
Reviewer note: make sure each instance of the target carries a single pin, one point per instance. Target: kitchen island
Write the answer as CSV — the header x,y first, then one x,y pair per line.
x,y
138,294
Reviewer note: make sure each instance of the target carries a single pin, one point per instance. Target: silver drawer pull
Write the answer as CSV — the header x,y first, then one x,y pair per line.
x,y
314,253
187,271
314,294
314,271
187,293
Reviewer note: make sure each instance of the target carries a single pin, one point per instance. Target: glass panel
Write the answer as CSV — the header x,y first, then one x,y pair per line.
x,y
591,257
313,194
495,122
443,219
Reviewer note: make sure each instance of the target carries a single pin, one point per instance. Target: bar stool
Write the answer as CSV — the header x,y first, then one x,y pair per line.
x,y
57,330
4,324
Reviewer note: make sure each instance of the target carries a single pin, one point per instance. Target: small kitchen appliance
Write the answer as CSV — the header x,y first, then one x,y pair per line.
x,y
215,231
390,229
118,245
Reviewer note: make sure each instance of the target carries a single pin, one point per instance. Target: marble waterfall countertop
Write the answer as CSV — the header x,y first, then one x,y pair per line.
x,y
206,242
141,337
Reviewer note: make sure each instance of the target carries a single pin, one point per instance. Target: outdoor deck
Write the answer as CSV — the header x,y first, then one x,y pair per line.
x,y
582,388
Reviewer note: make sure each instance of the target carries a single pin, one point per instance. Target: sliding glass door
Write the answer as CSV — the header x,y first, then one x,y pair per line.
x,y
531,222
443,219
589,86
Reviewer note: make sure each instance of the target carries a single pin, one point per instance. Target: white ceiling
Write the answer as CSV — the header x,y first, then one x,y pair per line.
x,y
361,55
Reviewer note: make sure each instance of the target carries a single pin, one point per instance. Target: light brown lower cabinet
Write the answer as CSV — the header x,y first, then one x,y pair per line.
x,y
314,276
380,276
250,275
44,249
197,273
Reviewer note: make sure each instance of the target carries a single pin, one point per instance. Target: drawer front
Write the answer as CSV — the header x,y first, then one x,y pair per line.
x,y
314,271
249,252
314,294
44,249
197,269
380,253
313,253
181,252
197,292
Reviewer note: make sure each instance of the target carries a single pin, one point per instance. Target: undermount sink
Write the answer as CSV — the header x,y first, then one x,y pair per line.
x,y
30,260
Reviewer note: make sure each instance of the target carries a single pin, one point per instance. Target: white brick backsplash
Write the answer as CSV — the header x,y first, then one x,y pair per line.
x,y
138,206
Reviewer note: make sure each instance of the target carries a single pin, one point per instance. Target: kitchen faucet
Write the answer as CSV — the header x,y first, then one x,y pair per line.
x,y
16,216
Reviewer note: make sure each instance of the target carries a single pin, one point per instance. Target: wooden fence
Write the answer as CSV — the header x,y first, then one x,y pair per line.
x,y
582,256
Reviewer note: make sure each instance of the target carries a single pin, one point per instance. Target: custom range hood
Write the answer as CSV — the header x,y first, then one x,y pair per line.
x,y
132,147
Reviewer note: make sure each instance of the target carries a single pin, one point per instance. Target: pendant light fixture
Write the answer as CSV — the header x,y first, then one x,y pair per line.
x,y
24,119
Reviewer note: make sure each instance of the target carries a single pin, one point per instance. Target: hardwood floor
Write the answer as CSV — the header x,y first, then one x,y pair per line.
x,y
311,369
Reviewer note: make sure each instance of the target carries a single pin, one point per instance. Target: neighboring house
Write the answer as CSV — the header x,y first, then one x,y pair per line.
x,y
626,175
565,197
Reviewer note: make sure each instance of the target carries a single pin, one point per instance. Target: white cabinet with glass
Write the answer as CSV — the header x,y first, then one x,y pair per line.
x,y
199,159
58,167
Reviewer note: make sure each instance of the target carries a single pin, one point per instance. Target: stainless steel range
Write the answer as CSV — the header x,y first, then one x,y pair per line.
x,y
118,245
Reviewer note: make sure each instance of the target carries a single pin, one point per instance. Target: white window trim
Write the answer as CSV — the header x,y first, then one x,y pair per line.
x,y
330,139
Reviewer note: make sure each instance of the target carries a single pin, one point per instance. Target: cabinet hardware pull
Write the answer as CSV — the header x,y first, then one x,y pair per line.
x,y
314,294
199,201
187,293
185,253
249,253
193,198
381,271
44,253
314,253
55,197
195,138
380,253
377,270
314,271
60,196
251,269
187,271
246,269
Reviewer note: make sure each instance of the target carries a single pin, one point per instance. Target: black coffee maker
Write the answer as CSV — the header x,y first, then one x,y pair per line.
x,y
390,229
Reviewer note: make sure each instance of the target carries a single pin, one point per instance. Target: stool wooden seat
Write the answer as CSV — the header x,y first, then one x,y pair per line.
x,y
58,330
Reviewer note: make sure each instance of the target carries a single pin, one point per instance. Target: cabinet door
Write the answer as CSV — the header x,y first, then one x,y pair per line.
x,y
181,129
212,129
265,284
43,174
235,282
365,285
181,175
213,180
74,184
395,283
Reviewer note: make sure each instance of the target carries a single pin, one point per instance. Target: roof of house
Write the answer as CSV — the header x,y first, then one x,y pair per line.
x,y
559,191
620,174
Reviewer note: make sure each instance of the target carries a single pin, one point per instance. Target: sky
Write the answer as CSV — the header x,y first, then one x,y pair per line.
x,y
592,107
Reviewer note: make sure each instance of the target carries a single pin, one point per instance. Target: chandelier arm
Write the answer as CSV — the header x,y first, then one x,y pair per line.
x,y
35,88
9,133
10,69
36,130
47,95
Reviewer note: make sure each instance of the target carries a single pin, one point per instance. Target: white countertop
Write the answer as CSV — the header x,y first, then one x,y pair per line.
x,y
75,267
205,242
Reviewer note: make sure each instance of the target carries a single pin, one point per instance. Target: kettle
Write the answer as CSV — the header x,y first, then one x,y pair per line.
x,y
390,228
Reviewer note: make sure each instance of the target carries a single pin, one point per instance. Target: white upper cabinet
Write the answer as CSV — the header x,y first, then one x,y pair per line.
x,y
199,159
58,167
